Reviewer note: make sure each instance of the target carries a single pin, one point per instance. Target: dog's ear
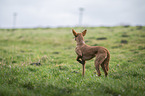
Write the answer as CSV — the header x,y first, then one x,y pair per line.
x,y
84,32
74,32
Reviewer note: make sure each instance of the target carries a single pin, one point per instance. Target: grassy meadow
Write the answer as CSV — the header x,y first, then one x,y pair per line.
x,y
42,62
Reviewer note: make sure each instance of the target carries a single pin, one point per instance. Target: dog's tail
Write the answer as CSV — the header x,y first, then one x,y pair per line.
x,y
106,62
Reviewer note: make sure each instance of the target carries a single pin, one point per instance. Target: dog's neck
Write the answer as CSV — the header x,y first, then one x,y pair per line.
x,y
81,43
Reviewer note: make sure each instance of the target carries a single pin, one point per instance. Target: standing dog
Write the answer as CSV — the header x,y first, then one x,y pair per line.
x,y
85,52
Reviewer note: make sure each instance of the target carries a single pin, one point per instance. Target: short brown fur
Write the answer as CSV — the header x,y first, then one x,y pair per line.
x,y
85,52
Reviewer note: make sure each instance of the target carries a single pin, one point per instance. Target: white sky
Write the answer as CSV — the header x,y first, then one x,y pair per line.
x,y
56,13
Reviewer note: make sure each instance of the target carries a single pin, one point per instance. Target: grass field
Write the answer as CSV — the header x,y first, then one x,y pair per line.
x,y
42,62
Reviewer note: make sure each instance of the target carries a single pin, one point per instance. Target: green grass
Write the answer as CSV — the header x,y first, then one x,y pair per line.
x,y
59,73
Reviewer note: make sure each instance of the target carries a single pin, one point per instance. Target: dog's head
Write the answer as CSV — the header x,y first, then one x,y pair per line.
x,y
79,37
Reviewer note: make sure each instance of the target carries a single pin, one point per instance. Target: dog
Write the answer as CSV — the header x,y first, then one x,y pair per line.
x,y
85,52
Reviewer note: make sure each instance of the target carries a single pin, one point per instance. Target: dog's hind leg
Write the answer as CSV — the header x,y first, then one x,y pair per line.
x,y
99,60
103,65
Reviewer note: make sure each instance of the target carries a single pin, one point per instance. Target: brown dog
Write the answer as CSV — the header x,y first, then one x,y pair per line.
x,y
86,52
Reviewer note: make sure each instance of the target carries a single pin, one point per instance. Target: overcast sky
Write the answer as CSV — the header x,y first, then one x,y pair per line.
x,y
56,13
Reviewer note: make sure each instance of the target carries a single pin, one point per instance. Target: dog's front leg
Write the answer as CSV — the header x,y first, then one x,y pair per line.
x,y
78,59
79,55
